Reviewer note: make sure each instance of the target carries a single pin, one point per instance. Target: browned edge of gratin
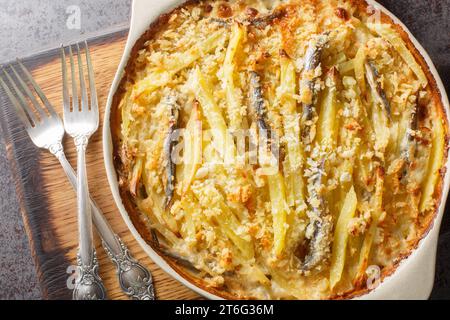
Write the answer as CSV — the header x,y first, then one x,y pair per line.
x,y
141,226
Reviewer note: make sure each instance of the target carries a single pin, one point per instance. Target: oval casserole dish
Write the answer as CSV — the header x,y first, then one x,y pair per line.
x,y
351,198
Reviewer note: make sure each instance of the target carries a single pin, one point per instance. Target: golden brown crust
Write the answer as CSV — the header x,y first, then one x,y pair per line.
x,y
136,216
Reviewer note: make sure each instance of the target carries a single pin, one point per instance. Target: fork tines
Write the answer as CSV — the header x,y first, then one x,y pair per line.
x,y
21,96
77,103
18,83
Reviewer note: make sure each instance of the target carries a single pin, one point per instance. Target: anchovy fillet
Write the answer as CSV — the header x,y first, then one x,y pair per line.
x,y
373,77
320,223
165,251
312,61
319,243
262,22
170,144
225,23
258,105
409,144
257,100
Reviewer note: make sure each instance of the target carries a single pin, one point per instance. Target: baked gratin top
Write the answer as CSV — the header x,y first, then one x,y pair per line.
x,y
280,149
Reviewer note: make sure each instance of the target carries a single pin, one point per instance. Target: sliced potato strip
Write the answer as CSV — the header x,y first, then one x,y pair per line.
x,y
377,205
327,127
190,207
230,224
279,211
222,139
341,237
386,31
161,77
347,66
434,165
291,123
360,73
227,221
381,128
234,101
193,148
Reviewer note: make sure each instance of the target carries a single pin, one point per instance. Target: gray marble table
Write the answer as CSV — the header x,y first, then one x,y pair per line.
x,y
30,26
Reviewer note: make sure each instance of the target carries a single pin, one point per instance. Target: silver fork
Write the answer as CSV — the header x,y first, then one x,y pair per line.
x,y
81,120
46,130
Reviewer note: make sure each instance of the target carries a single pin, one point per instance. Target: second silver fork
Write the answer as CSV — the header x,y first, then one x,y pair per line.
x,y
81,120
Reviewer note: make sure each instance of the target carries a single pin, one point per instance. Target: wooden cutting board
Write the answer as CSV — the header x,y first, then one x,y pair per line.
x,y
48,203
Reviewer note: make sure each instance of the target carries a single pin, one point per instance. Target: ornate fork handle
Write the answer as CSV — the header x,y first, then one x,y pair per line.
x,y
88,285
135,280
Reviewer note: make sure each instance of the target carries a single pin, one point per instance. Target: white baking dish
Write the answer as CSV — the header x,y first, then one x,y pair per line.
x,y
414,277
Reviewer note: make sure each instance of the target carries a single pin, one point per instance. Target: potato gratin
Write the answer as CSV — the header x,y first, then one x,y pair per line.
x,y
280,149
